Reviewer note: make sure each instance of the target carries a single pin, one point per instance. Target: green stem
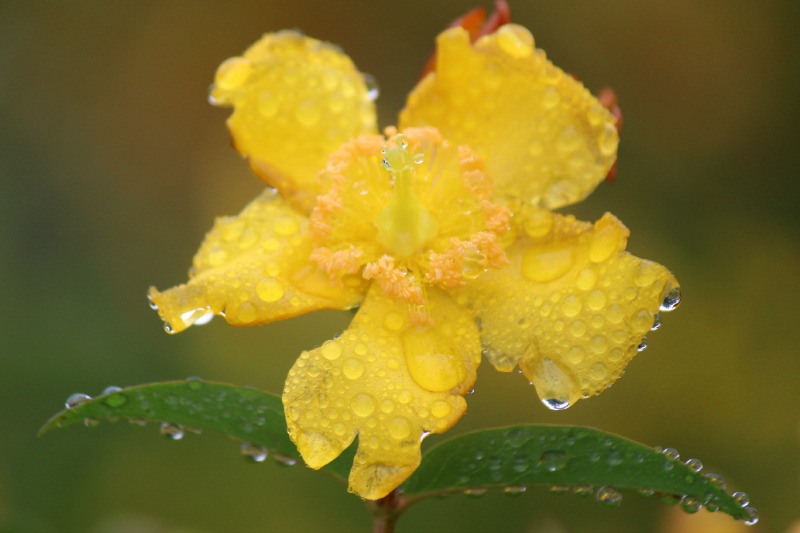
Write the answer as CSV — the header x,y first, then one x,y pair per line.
x,y
386,511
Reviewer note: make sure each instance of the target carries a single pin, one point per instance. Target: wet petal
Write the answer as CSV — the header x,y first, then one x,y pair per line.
x,y
391,378
571,308
254,268
295,101
546,140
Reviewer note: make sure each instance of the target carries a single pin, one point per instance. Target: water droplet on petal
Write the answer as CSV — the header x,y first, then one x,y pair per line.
x,y
76,399
331,350
362,404
253,452
171,431
608,496
642,345
671,301
373,91
656,322
515,40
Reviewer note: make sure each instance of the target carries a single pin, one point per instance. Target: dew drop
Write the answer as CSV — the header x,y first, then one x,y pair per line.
x,y
151,303
171,431
656,322
168,328
115,400
373,91
558,489
399,428
514,490
353,369
76,399
615,458
515,40
331,350
270,290
694,464
671,301
394,321
608,496
362,404
752,516
283,460
520,464
690,504
538,223
111,389
583,490
554,460
642,345
476,492
233,73
646,492
741,498
548,265
716,479
253,452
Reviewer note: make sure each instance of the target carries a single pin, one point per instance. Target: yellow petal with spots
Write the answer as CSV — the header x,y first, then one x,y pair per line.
x,y
572,307
254,268
391,378
546,140
295,101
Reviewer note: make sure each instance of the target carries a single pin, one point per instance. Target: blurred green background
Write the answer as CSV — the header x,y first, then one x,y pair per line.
x,y
113,165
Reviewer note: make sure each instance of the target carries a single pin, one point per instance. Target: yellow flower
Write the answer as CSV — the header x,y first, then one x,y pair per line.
x,y
442,233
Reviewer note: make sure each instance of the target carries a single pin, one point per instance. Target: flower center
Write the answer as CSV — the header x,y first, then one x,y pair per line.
x,y
404,226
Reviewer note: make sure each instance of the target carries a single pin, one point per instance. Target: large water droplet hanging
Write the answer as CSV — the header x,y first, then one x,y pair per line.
x,y
741,498
690,504
752,514
76,399
694,464
671,301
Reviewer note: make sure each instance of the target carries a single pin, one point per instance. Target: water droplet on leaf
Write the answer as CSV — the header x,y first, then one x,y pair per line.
x,y
171,431
76,399
253,452
608,496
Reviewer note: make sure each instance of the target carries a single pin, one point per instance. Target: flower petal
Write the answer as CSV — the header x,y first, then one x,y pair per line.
x,y
546,140
254,268
295,101
572,307
389,378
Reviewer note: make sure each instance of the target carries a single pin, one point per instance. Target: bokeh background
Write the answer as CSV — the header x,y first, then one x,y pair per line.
x,y
113,165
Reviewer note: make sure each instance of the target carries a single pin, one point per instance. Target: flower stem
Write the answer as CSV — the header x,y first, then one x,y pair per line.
x,y
386,511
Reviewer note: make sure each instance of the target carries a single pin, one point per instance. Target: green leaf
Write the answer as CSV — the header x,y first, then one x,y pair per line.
x,y
581,460
242,413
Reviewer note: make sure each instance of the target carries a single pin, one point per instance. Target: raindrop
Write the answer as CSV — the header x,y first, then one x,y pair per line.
x,y
558,489
694,464
521,464
656,322
171,431
642,345
284,460
373,91
711,504
168,328
110,390
672,453
690,504
608,496
646,491
554,460
555,404
583,490
717,480
514,490
152,304
741,498
419,158
615,458
475,492
752,515
194,382
671,301
76,399
253,452
115,399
